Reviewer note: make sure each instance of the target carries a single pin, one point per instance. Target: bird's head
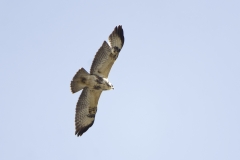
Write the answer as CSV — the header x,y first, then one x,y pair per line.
x,y
108,84
112,86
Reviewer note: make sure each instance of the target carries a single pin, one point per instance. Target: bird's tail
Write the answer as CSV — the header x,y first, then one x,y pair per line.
x,y
79,80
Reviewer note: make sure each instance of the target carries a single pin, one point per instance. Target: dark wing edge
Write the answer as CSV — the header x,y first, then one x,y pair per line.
x,y
107,55
116,38
86,110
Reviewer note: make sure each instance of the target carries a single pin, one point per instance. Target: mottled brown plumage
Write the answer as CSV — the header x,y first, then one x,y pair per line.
x,y
97,81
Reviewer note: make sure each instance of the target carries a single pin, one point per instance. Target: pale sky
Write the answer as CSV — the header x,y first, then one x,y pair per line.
x,y
176,80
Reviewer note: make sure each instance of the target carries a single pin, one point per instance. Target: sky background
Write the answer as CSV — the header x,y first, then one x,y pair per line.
x,y
176,80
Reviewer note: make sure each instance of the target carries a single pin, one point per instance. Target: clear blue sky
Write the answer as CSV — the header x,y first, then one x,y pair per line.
x,y
177,80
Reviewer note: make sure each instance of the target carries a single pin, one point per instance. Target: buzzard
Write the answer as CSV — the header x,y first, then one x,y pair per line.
x,y
97,81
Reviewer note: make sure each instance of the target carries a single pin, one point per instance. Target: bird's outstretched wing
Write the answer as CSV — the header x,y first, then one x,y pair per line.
x,y
86,110
106,55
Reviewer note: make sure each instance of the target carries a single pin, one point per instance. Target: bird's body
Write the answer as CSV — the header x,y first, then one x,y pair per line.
x,y
84,79
97,81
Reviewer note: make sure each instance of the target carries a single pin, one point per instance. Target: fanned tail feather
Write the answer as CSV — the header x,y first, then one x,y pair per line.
x,y
79,80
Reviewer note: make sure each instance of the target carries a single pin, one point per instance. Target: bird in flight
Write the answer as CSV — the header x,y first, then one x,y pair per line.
x,y
97,81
